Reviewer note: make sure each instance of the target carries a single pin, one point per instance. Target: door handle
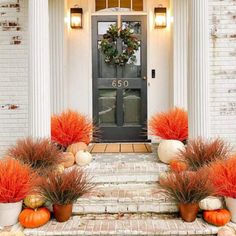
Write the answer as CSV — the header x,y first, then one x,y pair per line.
x,y
144,77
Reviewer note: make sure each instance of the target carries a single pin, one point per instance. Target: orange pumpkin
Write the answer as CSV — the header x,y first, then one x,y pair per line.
x,y
75,147
217,217
68,159
178,166
30,218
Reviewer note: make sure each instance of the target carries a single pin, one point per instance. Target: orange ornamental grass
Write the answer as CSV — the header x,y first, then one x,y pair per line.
x,y
172,124
16,180
200,152
223,176
71,127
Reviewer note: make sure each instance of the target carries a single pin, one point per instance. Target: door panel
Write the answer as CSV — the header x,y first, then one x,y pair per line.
x,y
120,92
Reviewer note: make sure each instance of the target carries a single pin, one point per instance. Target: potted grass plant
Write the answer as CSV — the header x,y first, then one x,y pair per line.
x,y
16,181
40,154
63,189
199,152
72,132
71,127
187,189
223,176
172,128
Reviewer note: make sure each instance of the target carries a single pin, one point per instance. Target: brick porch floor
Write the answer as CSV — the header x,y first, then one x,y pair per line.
x,y
126,201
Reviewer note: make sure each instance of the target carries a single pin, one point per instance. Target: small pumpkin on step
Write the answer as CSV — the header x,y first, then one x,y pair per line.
x,y
83,158
211,203
68,159
217,217
178,165
30,218
75,147
34,201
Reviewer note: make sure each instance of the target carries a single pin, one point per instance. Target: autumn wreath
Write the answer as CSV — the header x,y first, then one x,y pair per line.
x,y
109,49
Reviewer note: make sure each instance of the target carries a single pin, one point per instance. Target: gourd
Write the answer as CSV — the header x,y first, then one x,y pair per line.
x,y
75,147
178,165
217,217
33,201
168,150
83,158
68,159
31,218
211,203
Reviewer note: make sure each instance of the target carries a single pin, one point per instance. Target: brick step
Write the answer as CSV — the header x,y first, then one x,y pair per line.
x,y
124,198
119,225
125,168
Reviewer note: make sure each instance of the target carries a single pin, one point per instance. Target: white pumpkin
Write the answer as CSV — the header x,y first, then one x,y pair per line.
x,y
211,203
83,158
168,149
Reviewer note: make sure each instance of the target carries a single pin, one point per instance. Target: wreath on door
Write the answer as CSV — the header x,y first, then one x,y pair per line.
x,y
109,49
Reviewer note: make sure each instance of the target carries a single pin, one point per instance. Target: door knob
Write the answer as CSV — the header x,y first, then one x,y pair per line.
x,y
144,77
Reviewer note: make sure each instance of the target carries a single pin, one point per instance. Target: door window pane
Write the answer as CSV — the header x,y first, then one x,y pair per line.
x,y
104,26
125,4
100,5
113,3
107,106
138,5
132,107
105,70
134,25
133,69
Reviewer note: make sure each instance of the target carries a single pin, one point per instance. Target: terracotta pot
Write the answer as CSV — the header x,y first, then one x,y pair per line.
x,y
9,213
188,211
62,213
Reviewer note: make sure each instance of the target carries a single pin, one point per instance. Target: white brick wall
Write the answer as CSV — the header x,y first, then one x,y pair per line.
x,y
13,71
222,18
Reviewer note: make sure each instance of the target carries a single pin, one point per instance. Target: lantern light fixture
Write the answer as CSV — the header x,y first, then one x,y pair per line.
x,y
76,18
160,17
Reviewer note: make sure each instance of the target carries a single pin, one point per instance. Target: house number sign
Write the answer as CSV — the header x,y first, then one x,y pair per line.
x,y
120,83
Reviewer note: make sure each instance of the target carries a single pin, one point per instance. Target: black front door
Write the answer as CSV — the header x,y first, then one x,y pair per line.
x,y
120,92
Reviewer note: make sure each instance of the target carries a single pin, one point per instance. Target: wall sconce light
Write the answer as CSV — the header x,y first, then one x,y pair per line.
x,y
76,15
160,17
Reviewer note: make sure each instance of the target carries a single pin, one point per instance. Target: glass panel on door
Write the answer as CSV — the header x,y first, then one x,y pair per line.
x,y
107,106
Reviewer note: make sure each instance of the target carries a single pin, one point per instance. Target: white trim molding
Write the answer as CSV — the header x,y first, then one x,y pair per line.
x,y
198,74
57,56
39,69
180,53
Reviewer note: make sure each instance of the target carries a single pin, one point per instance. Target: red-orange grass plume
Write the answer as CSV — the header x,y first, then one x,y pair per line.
x,y
223,176
71,127
16,180
172,124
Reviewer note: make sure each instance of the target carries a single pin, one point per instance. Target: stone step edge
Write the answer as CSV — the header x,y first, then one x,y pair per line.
x,y
124,227
125,208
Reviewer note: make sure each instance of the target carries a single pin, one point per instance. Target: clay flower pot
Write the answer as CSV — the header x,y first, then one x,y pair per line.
x,y
188,211
62,213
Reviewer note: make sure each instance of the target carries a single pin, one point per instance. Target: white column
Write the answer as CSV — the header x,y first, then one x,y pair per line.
x,y
39,75
57,55
180,52
198,69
